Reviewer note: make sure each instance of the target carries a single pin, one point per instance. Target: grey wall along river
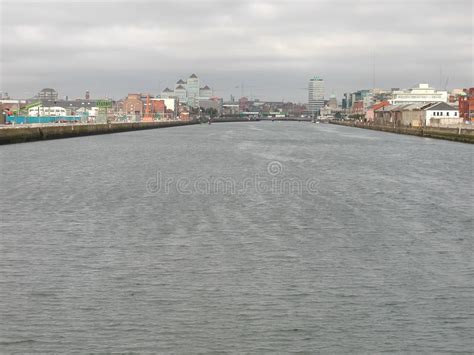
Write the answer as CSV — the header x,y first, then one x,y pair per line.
x,y
379,257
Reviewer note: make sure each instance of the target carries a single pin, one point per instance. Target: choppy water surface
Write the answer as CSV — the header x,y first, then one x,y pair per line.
x,y
377,256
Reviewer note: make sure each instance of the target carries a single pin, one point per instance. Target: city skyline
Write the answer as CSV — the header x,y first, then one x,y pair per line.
x,y
234,45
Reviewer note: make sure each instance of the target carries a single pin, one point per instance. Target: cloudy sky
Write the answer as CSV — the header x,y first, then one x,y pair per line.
x,y
271,47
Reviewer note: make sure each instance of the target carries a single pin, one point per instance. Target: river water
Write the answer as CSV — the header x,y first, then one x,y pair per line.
x,y
321,238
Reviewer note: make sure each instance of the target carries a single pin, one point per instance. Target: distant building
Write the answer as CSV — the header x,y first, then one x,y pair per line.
x,y
205,92
370,114
441,114
192,90
47,111
188,92
180,93
167,93
47,94
315,94
244,104
347,101
435,114
361,100
332,102
180,82
133,105
421,94
10,105
466,105
88,95
230,108
71,106
165,108
400,115
358,107
213,102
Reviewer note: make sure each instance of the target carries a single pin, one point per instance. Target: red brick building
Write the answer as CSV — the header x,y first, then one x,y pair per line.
x,y
358,107
466,105
133,105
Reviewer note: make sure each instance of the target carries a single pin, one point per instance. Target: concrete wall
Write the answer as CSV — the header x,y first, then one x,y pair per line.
x,y
453,134
34,133
2,115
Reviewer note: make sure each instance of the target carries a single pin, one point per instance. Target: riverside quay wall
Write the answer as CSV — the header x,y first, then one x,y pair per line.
x,y
452,134
21,134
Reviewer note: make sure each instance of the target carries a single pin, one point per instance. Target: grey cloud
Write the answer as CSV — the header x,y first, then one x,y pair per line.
x,y
114,47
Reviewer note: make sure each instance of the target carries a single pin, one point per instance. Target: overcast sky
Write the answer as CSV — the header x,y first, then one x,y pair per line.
x,y
272,47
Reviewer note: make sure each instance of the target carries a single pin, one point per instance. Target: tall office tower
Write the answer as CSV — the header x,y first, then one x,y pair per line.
x,y
315,94
193,90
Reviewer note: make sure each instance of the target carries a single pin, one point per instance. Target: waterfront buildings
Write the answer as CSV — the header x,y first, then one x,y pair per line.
x,y
423,93
47,111
71,106
466,105
133,105
370,114
441,114
211,103
315,94
151,108
435,114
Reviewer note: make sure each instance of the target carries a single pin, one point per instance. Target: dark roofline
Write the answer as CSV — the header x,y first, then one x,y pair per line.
x,y
444,107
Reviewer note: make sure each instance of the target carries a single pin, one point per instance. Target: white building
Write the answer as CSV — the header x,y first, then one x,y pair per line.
x,y
180,82
180,93
167,93
205,92
315,94
47,111
421,94
441,114
192,90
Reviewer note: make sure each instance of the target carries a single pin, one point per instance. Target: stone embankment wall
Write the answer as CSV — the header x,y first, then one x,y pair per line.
x,y
21,134
453,134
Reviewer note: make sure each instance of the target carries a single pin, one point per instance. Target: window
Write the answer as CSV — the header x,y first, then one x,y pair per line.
x,y
447,114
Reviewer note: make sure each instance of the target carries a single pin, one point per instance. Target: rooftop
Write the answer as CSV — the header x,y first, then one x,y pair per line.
x,y
441,106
